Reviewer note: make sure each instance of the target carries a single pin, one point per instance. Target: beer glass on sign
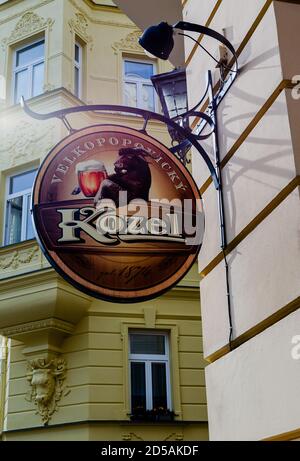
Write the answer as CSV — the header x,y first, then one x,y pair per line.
x,y
90,176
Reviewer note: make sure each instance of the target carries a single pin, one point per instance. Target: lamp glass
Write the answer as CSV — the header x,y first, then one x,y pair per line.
x,y
175,96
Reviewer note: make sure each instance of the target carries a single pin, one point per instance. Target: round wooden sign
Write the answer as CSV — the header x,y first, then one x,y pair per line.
x,y
117,214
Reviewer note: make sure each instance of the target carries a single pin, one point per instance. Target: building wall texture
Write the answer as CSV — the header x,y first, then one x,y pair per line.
x,y
252,390
40,313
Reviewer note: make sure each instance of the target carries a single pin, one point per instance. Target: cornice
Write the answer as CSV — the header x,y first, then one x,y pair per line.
x,y
139,316
101,21
96,6
18,246
62,91
40,99
38,281
27,280
9,4
56,324
183,292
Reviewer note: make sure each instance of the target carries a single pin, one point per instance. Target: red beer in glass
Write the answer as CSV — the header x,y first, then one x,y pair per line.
x,y
90,176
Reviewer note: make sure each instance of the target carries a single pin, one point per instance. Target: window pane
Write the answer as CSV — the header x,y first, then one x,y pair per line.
x,y
147,344
159,387
138,69
21,85
130,94
77,53
21,182
138,386
76,89
29,226
148,97
38,79
30,54
14,220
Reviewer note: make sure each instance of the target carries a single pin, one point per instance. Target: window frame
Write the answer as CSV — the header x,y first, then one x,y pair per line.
x,y
148,359
17,69
78,65
26,193
139,81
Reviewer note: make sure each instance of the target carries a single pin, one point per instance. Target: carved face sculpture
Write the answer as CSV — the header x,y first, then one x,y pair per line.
x,y
44,384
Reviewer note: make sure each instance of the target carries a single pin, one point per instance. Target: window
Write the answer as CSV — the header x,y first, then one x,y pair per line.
x,y
78,70
149,371
18,225
138,88
29,71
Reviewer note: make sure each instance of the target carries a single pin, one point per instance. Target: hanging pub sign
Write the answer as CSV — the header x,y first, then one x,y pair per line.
x,y
117,214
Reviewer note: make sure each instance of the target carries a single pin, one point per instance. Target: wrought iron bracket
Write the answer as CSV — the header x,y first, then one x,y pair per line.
x,y
190,138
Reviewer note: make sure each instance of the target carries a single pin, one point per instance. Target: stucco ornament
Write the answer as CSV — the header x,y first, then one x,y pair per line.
x,y
129,43
19,258
23,141
46,378
80,25
29,23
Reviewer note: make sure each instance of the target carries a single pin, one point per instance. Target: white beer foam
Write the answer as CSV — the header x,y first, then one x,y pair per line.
x,y
90,165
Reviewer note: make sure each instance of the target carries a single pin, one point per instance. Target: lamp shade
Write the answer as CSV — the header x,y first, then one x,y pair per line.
x,y
158,40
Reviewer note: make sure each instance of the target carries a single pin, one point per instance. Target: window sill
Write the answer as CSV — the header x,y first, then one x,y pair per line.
x,y
153,416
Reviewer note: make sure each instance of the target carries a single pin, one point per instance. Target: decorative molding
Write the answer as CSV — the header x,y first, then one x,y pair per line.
x,y
54,324
80,25
29,23
132,436
19,258
174,437
24,141
46,378
150,317
129,43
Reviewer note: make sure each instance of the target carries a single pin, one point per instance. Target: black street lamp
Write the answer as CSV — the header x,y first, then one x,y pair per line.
x,y
172,92
158,40
171,87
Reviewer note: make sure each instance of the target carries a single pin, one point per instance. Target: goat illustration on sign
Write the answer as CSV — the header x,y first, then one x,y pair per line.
x,y
132,174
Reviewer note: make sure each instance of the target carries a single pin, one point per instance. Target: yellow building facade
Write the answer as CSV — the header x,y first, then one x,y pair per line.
x,y
79,50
